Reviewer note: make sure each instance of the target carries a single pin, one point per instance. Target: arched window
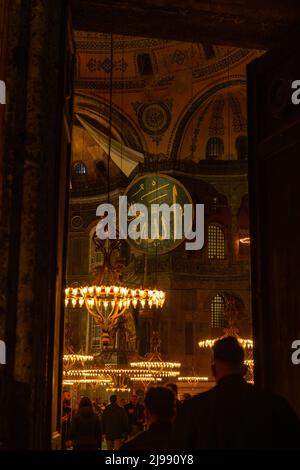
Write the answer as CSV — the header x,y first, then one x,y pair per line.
x,y
241,145
217,309
214,148
96,258
79,169
144,64
216,242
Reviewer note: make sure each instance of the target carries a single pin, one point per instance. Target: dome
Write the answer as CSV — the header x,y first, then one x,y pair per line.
x,y
140,63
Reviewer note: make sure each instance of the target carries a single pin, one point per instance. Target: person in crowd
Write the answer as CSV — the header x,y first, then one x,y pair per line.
x,y
186,396
172,386
66,418
235,414
86,427
115,424
97,407
160,409
136,418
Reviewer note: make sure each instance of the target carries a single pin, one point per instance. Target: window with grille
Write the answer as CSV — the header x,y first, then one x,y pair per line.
x,y
216,242
217,312
95,342
79,169
241,145
214,148
96,257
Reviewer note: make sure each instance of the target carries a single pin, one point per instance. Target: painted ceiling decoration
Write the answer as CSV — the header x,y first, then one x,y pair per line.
x,y
167,58
169,98
154,118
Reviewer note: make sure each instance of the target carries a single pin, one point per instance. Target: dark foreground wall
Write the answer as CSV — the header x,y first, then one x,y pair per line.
x,y
34,169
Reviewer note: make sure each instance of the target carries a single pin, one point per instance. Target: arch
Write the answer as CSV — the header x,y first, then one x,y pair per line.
x,y
94,108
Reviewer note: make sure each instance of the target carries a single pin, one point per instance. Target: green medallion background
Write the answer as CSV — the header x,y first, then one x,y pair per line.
x,y
156,189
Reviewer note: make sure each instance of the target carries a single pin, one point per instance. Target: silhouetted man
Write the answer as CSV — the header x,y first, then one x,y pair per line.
x,y
115,424
66,418
135,414
159,413
235,414
173,386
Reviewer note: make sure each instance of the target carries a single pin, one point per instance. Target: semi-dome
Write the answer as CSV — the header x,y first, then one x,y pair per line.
x,y
217,129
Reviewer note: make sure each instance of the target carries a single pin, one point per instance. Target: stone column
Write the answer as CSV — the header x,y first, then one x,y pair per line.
x,y
35,187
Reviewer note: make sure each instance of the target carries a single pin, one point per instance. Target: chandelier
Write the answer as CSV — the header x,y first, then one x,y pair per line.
x,y
231,313
153,363
193,379
107,299
72,358
245,343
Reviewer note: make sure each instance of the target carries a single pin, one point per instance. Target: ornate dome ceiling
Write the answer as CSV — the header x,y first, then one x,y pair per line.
x,y
221,118
138,61
168,100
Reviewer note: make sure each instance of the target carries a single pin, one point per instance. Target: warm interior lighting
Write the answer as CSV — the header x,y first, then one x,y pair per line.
x,y
208,343
193,379
158,365
118,389
107,304
245,241
77,357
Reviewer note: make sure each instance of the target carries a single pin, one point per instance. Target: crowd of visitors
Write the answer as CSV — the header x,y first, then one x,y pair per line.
x,y
232,415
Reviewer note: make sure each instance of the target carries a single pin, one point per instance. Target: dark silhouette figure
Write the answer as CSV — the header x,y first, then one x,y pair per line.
x,y
159,411
86,427
135,413
235,414
66,418
173,386
115,424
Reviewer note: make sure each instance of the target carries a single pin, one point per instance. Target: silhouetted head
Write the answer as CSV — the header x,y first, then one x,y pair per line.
x,y
186,396
113,399
159,405
228,358
134,399
173,387
85,401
